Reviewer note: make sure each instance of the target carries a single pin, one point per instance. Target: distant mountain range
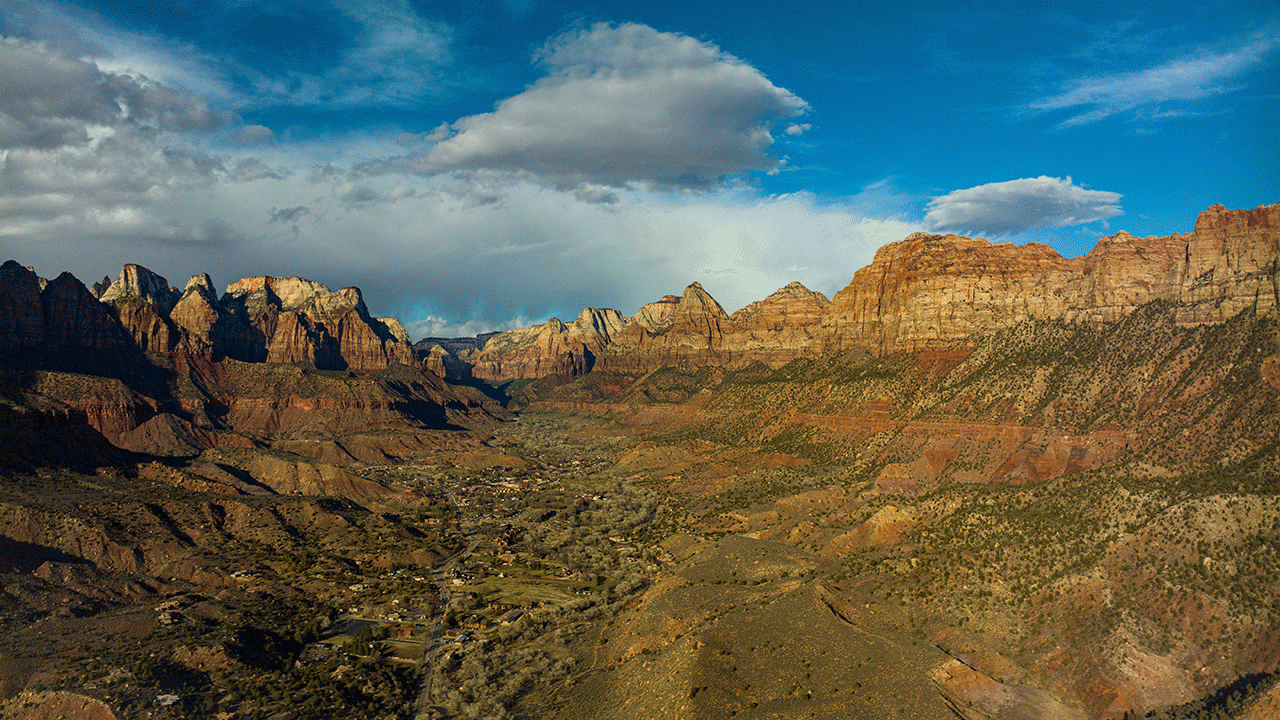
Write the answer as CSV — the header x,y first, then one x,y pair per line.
x,y
924,292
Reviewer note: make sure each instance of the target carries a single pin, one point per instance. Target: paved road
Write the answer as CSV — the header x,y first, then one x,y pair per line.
x,y
431,646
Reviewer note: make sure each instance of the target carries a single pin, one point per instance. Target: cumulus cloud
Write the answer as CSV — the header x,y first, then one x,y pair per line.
x,y
48,101
1156,91
441,132
1014,206
622,104
108,174
93,183
254,135
92,150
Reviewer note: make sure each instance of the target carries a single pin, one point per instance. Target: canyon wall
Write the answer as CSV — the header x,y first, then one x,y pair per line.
x,y
923,292
155,370
259,319
554,348
931,291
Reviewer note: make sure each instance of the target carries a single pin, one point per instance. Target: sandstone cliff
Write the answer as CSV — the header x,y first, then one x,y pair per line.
x,y
552,349
686,331
934,290
166,373
73,318
137,281
21,315
779,328
925,292
209,330
292,320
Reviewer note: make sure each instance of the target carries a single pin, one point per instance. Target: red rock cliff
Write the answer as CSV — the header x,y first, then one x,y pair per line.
x,y
932,290
924,292
292,320
551,349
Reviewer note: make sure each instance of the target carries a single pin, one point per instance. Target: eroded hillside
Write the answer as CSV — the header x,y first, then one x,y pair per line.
x,y
1084,517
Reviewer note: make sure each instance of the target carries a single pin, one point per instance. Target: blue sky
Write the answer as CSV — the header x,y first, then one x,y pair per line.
x,y
477,166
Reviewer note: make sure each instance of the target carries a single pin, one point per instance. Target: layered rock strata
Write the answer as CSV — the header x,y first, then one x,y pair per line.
x,y
690,332
930,291
449,357
292,320
921,293
162,372
552,349
776,330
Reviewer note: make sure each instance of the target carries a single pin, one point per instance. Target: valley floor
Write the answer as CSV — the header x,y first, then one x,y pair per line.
x,y
564,569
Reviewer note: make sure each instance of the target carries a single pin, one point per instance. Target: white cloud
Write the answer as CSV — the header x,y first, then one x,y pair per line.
x,y
441,132
486,242
254,135
394,61
49,101
86,150
1148,93
433,326
1014,206
619,105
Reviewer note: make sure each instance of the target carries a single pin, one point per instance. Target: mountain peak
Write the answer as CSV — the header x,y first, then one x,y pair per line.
x,y
137,281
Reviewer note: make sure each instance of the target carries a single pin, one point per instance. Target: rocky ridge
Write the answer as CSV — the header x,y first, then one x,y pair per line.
x,y
259,319
924,292
173,373
932,291
552,349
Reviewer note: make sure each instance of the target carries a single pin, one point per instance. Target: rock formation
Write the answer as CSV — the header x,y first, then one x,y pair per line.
x,y
99,288
925,292
450,357
944,288
688,332
931,290
73,318
137,281
437,360
551,349
779,328
685,331
208,329
21,315
292,320
166,373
